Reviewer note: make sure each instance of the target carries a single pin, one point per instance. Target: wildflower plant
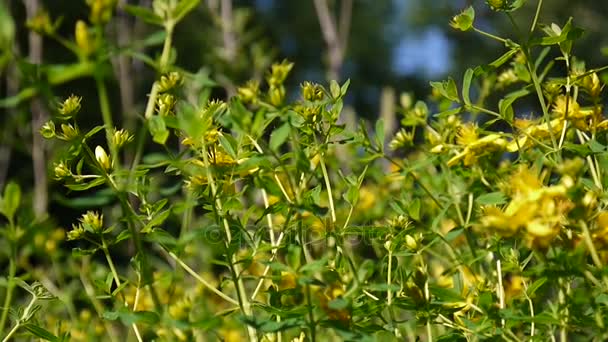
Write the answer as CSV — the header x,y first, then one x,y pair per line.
x,y
262,216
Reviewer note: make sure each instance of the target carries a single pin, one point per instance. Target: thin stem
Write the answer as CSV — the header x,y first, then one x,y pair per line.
x,y
489,35
244,303
311,314
536,15
389,293
104,247
106,114
202,280
541,98
329,192
531,305
23,317
589,242
9,292
501,289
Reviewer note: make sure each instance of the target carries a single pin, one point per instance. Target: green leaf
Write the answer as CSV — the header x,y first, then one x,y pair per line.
x,y
279,136
491,198
413,209
536,285
334,89
229,144
156,221
380,134
40,332
464,20
448,112
447,89
158,129
86,186
504,58
344,87
183,8
505,105
466,85
162,237
129,317
10,201
144,14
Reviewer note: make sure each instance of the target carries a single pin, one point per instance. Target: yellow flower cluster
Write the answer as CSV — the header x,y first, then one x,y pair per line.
x,y
539,210
470,145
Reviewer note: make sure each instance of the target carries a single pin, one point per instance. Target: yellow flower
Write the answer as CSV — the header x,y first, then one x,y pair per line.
x,y
102,158
84,40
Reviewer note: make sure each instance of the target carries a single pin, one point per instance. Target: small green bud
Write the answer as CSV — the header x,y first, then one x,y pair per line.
x,y
169,81
278,73
62,171
101,10
165,104
102,158
250,92
402,139
121,137
312,92
411,243
70,106
83,38
76,233
406,100
464,20
41,23
68,132
276,95
92,222
48,130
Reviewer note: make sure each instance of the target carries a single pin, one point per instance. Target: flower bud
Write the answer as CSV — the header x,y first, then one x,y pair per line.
x,y
250,92
41,23
276,95
48,130
83,38
169,81
165,104
312,92
279,73
70,107
411,243
62,171
68,132
92,221
76,233
121,137
102,158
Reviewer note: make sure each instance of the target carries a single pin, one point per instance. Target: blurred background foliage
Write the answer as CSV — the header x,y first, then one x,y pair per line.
x,y
389,47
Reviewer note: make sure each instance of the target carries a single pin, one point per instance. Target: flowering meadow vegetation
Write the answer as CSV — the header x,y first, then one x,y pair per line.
x,y
259,213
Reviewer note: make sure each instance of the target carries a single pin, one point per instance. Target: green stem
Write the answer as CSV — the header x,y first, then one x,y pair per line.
x,y
489,35
329,192
202,280
311,314
541,98
235,267
10,286
104,247
536,15
106,114
9,293
24,316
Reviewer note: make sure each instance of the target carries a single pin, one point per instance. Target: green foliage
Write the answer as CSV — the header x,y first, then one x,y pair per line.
x,y
262,216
